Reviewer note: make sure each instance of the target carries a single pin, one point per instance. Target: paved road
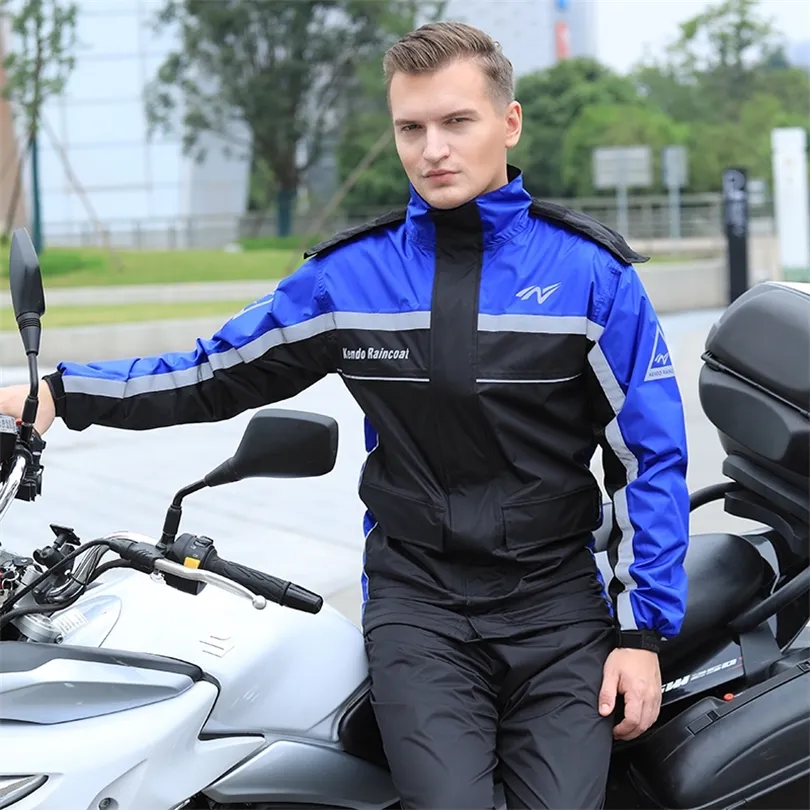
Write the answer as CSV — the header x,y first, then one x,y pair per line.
x,y
103,480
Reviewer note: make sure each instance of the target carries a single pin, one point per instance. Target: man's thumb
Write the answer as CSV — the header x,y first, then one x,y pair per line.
x,y
607,694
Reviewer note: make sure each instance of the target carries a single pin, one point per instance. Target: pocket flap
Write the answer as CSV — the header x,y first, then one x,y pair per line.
x,y
405,517
553,517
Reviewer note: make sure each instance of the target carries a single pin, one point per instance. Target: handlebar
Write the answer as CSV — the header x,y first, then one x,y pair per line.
x,y
10,487
20,463
286,594
194,558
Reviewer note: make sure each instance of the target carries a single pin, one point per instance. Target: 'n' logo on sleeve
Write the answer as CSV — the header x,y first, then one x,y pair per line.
x,y
660,366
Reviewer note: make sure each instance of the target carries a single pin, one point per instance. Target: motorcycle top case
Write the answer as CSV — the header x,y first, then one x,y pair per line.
x,y
719,753
755,387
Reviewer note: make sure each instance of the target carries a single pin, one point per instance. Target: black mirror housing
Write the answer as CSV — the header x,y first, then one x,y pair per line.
x,y
27,295
280,443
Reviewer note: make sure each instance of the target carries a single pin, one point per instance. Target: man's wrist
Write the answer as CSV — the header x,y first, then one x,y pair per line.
x,y
640,640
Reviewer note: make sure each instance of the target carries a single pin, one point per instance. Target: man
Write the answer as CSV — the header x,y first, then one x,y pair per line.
x,y
492,343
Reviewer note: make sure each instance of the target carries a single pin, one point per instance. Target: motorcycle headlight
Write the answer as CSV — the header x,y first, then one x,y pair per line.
x,y
14,788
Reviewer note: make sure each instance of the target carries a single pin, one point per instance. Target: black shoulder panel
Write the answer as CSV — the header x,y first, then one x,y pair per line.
x,y
391,218
588,226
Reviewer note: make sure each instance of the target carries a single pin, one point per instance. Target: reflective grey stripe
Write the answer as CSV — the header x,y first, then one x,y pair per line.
x,y
383,321
541,324
479,380
613,435
172,380
532,382
383,379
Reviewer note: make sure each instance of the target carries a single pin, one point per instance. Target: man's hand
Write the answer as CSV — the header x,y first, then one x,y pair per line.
x,y
635,674
12,400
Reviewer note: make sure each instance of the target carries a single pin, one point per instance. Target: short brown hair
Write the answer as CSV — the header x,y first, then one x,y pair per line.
x,y
435,45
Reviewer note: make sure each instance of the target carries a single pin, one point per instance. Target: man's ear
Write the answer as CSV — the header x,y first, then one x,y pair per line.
x,y
514,123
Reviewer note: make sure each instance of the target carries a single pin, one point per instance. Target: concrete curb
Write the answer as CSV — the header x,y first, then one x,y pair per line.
x,y
85,344
153,293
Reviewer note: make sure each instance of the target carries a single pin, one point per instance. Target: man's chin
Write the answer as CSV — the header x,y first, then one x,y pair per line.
x,y
446,198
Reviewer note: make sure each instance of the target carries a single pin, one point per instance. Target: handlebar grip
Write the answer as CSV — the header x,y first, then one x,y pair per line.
x,y
286,594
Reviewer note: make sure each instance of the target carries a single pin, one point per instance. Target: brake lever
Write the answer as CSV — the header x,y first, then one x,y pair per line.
x,y
169,567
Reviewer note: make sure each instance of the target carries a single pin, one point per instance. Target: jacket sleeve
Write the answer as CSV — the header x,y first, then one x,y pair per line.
x,y
640,425
270,351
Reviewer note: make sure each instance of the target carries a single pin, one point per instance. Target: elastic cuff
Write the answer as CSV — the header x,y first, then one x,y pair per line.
x,y
640,640
54,382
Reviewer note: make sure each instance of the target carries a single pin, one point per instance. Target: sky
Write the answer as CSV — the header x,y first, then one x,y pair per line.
x,y
626,27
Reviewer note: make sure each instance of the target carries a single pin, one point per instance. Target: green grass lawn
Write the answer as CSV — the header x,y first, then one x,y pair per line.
x,y
92,267
126,313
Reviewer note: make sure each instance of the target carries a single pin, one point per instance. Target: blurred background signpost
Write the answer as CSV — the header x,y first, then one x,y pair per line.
x,y
675,177
622,167
792,201
735,209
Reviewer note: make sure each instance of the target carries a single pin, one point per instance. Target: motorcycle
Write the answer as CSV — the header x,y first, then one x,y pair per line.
x,y
168,677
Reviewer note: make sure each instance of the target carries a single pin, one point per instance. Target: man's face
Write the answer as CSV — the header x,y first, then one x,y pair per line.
x,y
451,135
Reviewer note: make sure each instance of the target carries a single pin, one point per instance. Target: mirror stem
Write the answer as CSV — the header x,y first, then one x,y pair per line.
x,y
30,328
172,522
29,413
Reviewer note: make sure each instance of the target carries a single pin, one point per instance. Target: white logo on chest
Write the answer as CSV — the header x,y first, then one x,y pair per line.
x,y
542,293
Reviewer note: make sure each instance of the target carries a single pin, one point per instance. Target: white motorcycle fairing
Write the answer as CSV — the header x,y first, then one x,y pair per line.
x,y
254,700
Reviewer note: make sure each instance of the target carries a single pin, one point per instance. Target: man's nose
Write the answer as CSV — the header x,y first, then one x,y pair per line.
x,y
436,145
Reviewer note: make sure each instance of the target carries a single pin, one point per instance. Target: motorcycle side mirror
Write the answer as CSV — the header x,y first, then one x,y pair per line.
x,y
28,300
276,444
27,295
281,444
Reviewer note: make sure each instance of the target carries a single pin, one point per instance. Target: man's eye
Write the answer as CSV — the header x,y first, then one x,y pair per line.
x,y
458,120
409,127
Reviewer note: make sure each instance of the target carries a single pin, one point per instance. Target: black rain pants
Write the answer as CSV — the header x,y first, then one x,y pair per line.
x,y
457,715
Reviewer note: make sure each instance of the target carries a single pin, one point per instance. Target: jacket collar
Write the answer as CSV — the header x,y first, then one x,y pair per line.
x,y
494,217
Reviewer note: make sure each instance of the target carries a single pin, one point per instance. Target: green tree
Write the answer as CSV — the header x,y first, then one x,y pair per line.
x,y
790,85
614,125
552,100
717,62
744,142
37,68
276,68
382,185
726,76
725,46
366,119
